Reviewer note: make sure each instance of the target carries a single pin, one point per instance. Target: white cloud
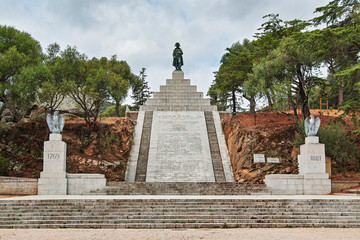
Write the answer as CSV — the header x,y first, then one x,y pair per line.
x,y
144,32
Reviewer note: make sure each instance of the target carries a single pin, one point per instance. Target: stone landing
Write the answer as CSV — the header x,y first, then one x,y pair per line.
x,y
178,138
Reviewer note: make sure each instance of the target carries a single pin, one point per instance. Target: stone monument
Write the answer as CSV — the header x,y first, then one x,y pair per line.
x,y
312,177
178,136
53,179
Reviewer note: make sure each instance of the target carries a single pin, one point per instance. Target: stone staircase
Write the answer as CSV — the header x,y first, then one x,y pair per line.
x,y
179,213
178,95
214,148
182,188
144,148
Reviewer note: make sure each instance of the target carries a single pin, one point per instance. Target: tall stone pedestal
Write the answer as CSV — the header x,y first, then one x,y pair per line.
x,y
53,179
313,167
312,177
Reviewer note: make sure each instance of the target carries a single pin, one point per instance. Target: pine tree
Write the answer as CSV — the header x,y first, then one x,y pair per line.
x,y
140,90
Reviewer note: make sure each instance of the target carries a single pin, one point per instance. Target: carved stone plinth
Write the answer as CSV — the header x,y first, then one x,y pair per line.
x,y
313,167
53,179
312,177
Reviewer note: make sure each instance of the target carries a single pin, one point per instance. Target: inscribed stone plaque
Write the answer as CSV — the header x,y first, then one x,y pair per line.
x,y
179,148
315,158
273,160
259,158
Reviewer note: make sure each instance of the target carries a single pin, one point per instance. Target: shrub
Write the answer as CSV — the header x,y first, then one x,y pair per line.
x,y
4,166
300,135
110,111
339,146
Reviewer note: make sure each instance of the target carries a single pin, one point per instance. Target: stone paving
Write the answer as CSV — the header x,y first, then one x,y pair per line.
x,y
247,197
182,234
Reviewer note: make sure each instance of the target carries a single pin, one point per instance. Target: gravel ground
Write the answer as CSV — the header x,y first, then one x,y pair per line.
x,y
181,234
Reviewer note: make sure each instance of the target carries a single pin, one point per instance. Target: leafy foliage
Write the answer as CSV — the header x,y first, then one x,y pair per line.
x,y
4,166
283,65
234,71
53,85
140,90
338,13
111,112
20,56
339,147
120,80
28,76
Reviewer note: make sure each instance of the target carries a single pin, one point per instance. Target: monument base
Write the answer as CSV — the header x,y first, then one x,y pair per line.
x,y
53,180
312,178
285,184
52,186
317,184
79,184
296,184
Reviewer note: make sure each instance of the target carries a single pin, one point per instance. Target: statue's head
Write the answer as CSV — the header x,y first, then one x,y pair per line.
x,y
177,44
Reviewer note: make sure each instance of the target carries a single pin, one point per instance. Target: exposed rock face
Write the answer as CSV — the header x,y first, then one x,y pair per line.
x,y
7,116
103,151
271,137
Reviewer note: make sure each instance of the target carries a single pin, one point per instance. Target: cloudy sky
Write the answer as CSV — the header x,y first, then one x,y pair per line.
x,y
143,32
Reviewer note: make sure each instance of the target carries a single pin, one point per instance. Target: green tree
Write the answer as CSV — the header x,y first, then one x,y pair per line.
x,y
340,41
111,112
53,87
120,80
294,68
88,83
218,97
236,65
20,56
140,90
273,31
338,13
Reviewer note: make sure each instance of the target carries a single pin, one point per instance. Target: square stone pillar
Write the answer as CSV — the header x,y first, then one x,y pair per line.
x,y
178,75
53,179
313,167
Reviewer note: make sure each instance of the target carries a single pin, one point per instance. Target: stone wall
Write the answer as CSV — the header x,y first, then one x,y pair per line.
x,y
18,186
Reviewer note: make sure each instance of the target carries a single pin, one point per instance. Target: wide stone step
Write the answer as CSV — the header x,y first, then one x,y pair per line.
x,y
184,188
154,207
146,214
211,203
178,94
186,225
75,216
178,101
179,213
182,220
